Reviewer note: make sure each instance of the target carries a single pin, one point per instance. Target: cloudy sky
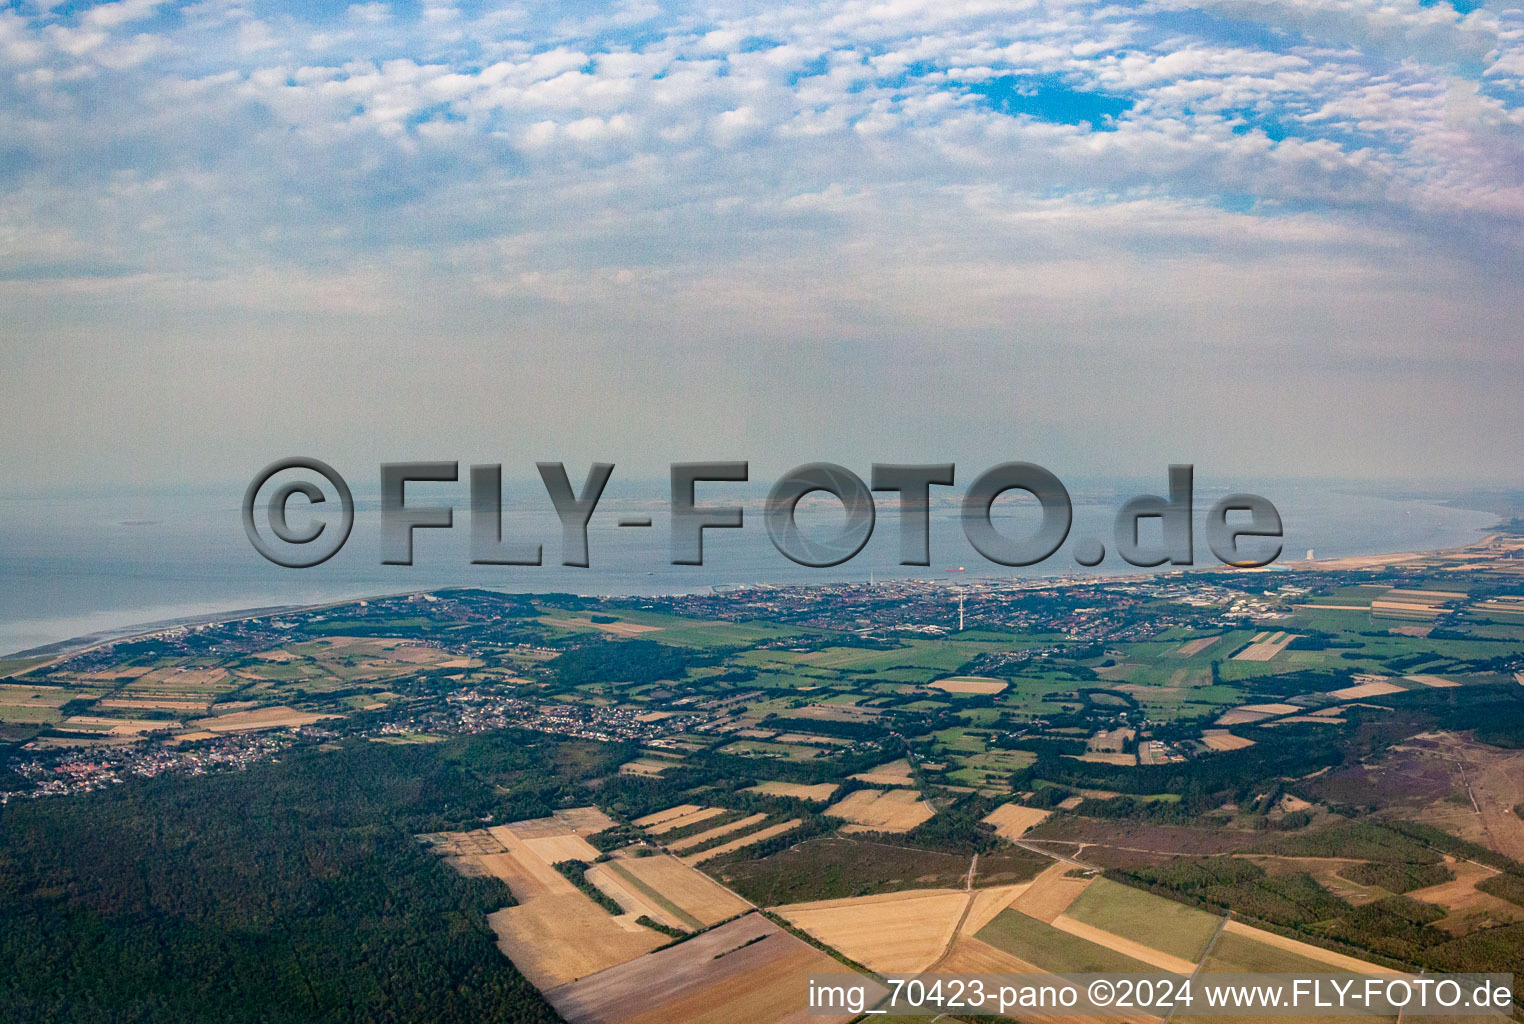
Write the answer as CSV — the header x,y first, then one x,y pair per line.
x,y
1266,236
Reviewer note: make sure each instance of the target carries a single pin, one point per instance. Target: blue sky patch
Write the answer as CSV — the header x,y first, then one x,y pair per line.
x,y
1048,98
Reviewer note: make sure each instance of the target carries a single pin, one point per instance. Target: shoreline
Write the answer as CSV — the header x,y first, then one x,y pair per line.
x,y
100,638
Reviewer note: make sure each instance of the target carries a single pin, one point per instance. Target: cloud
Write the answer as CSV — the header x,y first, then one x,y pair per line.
x,y
1324,180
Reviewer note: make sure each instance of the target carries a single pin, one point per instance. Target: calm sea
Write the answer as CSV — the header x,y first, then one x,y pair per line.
x,y
80,565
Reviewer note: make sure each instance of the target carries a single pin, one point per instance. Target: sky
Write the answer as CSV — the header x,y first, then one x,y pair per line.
x,y
1268,237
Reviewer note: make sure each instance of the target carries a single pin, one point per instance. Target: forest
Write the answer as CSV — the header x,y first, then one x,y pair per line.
x,y
293,891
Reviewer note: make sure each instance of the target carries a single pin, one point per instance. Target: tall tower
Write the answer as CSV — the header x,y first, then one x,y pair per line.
x,y
960,613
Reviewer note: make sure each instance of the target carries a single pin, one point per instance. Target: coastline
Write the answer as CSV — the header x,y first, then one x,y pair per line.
x,y
89,641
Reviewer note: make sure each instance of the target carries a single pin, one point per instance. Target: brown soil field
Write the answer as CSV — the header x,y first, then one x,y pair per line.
x,y
632,899
1122,760
987,905
1438,681
1050,893
555,933
645,769
1264,647
893,932
748,970
183,677
1249,713
1012,821
883,810
895,773
278,717
1373,688
154,705
1221,739
715,833
556,939
1194,647
121,726
1125,946
1468,908
690,890
612,628
554,849
584,820
808,737
747,840
818,794
969,684
527,875
973,956
676,817
539,828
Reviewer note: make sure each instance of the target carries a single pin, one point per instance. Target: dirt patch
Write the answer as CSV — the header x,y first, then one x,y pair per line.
x,y
894,932
1372,687
969,684
1221,739
883,810
1050,893
676,817
1012,821
798,791
895,773
278,717
748,970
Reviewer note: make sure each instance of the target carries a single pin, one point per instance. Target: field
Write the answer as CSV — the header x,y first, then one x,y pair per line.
x,y
676,817
1265,646
1468,908
1012,821
817,794
1052,949
969,684
1221,739
1171,928
903,931
556,933
738,844
690,894
714,833
882,810
1297,956
895,773
1051,892
748,970
1369,688
1248,714
277,717
1194,647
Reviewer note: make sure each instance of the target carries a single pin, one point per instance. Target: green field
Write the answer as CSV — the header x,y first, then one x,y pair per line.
x,y
1044,946
1156,922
